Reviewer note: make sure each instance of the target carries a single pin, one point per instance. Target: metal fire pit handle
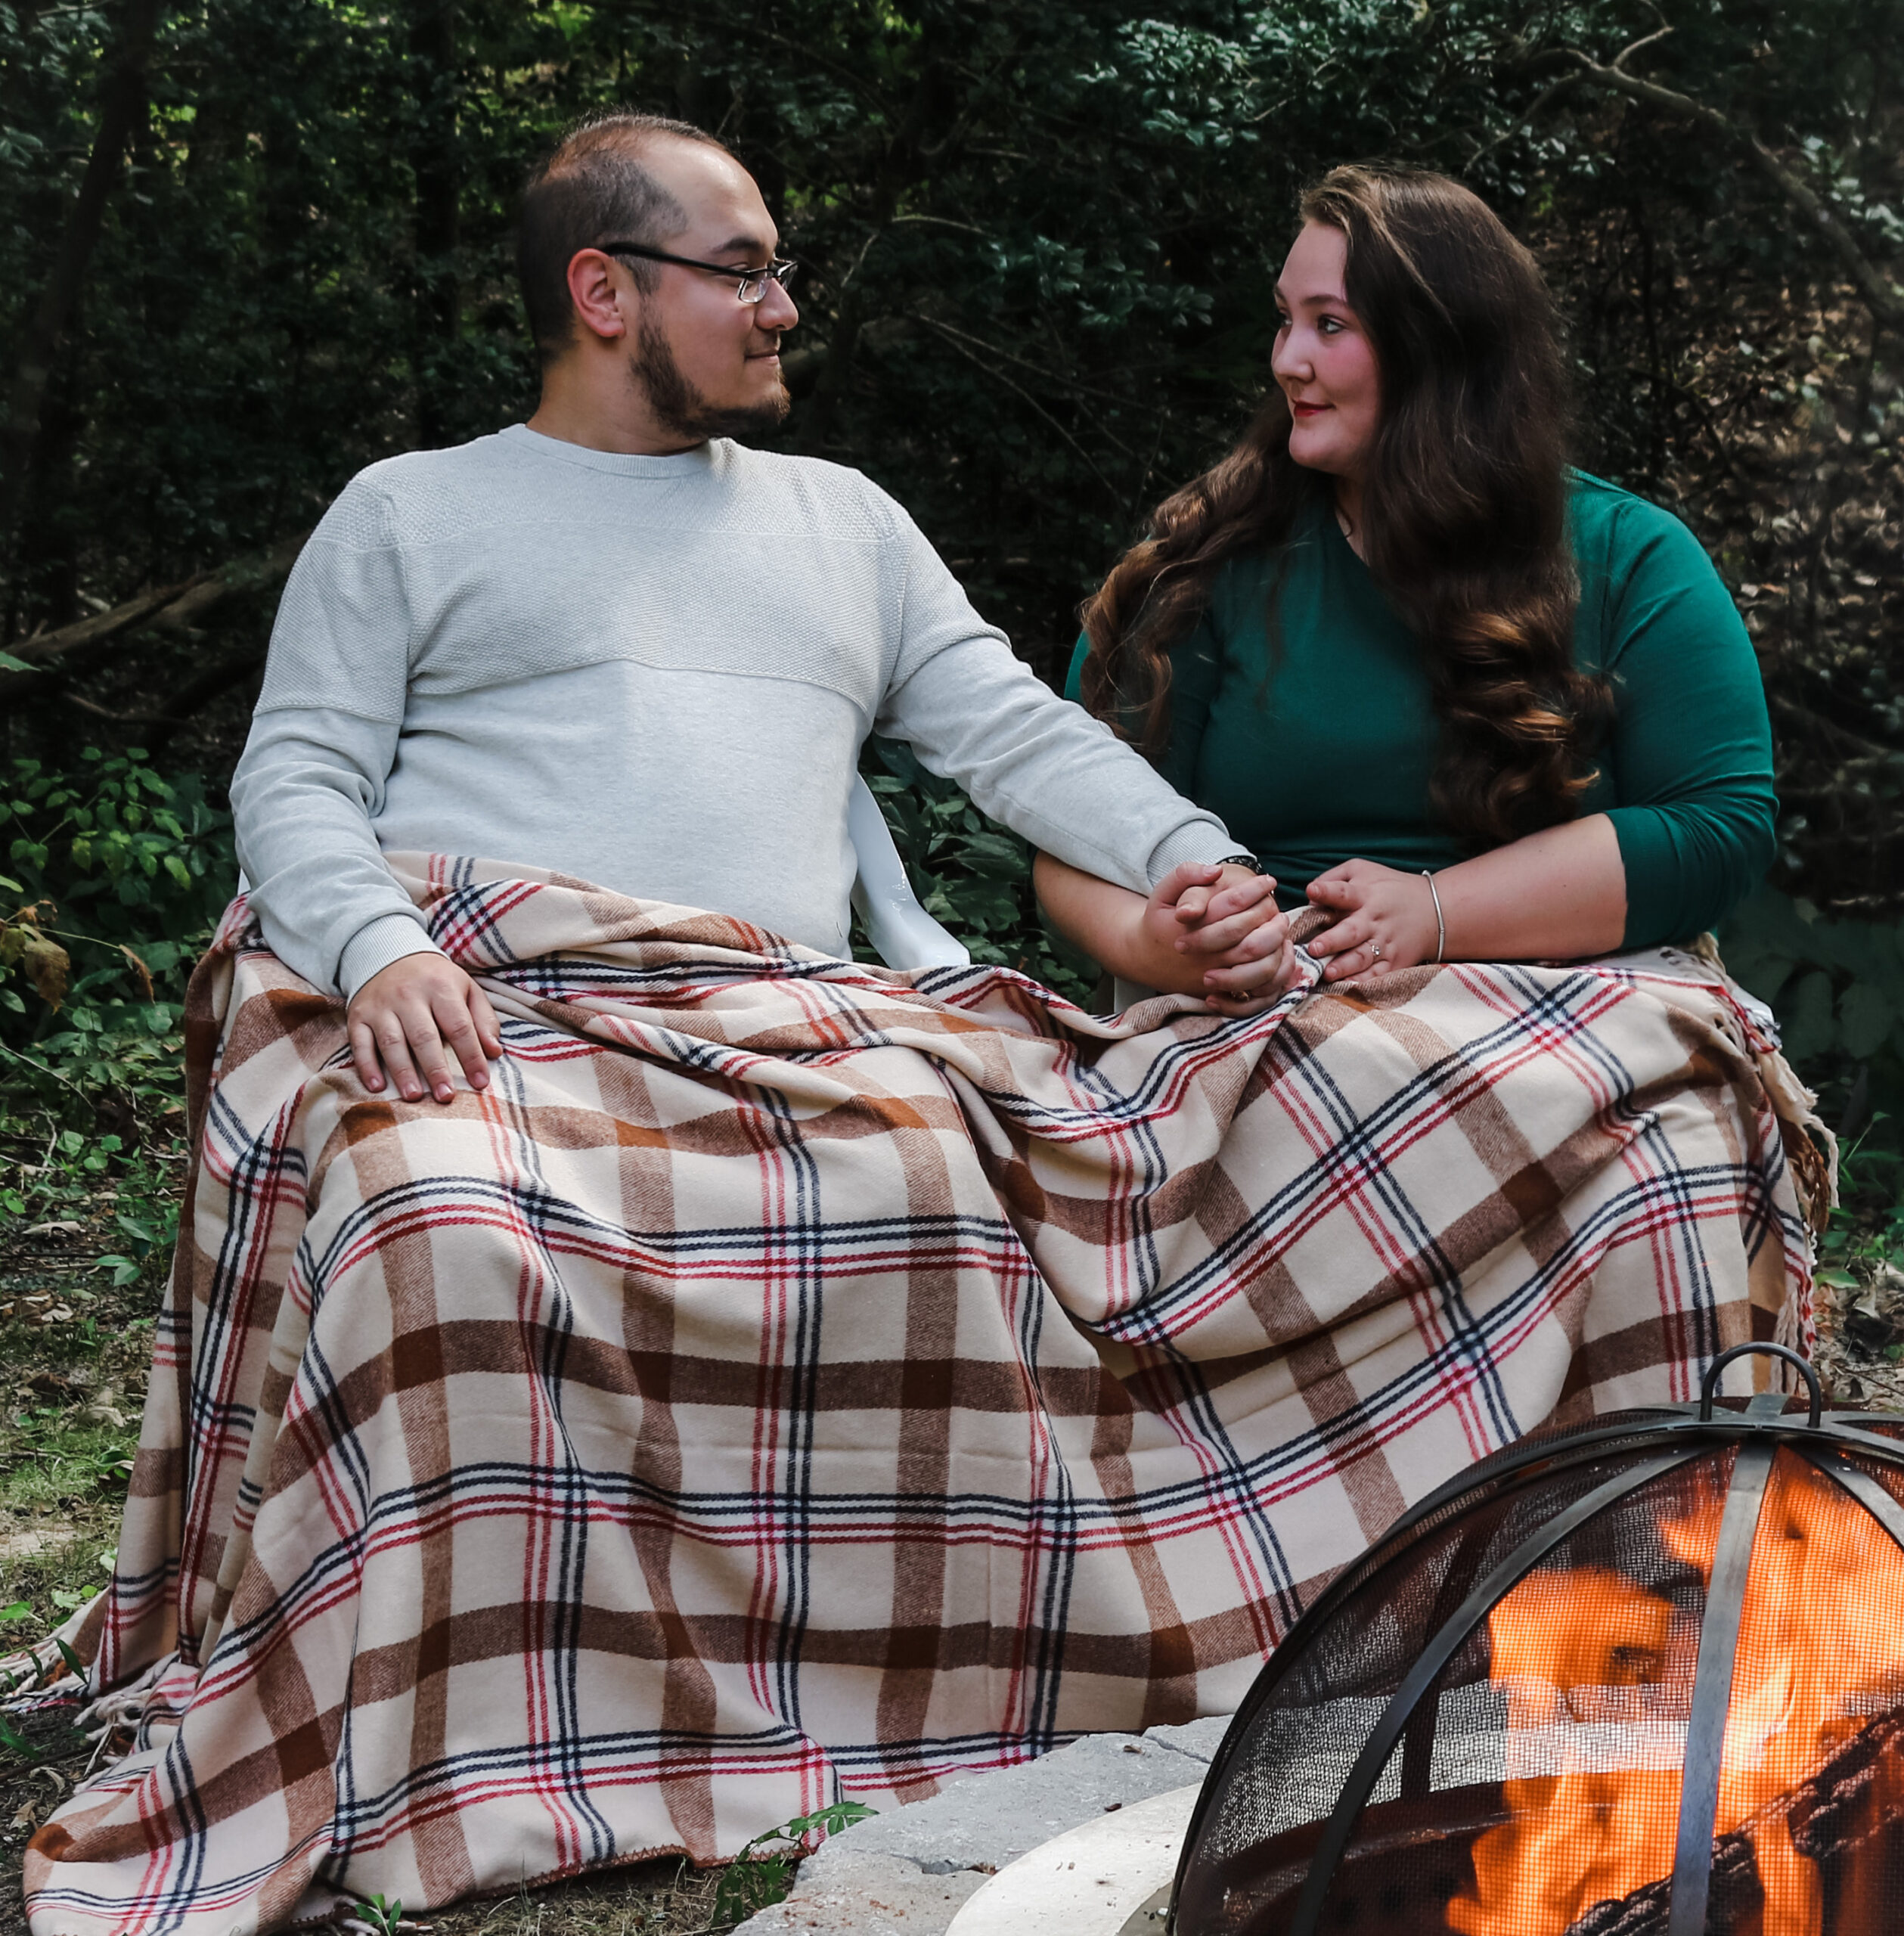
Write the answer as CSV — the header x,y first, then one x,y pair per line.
x,y
1709,1388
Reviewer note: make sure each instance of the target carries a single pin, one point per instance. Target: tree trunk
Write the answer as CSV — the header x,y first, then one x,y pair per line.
x,y
122,95
900,166
437,311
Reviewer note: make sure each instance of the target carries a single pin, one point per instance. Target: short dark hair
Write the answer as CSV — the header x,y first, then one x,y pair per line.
x,y
593,187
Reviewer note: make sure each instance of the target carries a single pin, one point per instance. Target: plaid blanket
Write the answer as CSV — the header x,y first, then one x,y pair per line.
x,y
792,1378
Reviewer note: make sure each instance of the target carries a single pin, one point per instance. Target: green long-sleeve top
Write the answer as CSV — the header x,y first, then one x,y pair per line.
x,y
1325,754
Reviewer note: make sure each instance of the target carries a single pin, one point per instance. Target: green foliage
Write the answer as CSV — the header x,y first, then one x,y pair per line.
x,y
381,1917
761,1874
122,873
56,1173
1837,987
970,874
124,854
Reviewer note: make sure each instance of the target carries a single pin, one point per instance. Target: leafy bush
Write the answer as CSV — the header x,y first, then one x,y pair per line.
x,y
117,874
115,877
971,873
1837,987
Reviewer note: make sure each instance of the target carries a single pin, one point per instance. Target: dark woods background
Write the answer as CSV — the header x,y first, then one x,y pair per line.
x,y
248,245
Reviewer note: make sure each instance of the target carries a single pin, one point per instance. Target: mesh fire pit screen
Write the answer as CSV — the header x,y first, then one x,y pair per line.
x,y
1644,1677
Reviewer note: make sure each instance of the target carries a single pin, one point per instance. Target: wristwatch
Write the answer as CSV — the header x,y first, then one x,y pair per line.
x,y
1248,861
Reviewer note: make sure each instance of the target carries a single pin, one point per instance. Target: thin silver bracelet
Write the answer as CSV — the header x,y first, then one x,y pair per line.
x,y
1440,925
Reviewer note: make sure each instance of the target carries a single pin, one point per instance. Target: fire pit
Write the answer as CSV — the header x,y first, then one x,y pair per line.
x,y
1646,1676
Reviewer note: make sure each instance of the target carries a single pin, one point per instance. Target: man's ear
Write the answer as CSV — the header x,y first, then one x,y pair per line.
x,y
596,287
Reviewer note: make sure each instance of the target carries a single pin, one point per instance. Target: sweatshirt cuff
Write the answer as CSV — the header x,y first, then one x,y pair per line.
x,y
369,951
1201,839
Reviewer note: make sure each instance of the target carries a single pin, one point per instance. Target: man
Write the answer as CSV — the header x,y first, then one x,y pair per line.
x,y
614,644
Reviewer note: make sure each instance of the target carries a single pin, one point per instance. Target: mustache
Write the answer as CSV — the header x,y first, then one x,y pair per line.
x,y
683,408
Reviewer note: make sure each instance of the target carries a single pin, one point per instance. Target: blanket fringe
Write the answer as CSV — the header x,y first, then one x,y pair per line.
x,y
1810,1147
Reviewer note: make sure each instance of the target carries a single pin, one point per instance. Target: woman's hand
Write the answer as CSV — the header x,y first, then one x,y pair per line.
x,y
1385,919
1224,922
1203,930
1557,895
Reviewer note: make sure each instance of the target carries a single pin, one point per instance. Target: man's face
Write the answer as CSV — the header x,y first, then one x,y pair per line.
x,y
708,365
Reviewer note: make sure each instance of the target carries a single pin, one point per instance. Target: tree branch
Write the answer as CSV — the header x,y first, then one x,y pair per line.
x,y
1882,299
1532,112
950,338
172,608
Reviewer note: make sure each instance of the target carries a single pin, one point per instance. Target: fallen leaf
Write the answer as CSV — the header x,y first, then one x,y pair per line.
x,y
139,969
47,964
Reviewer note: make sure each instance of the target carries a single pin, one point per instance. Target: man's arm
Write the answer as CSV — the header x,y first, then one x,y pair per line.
x,y
321,746
1209,931
974,713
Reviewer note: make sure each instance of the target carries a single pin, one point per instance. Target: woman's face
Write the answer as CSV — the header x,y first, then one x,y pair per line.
x,y
1323,359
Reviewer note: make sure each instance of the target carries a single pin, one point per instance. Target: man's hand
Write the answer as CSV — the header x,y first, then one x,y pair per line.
x,y
410,1017
1225,921
1385,920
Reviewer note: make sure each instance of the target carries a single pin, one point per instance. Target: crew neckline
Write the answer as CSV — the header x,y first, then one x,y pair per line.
x,y
617,463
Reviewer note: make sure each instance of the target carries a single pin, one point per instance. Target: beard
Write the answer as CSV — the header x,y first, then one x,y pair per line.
x,y
683,409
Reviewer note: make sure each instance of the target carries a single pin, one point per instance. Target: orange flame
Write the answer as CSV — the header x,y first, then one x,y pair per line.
x,y
1598,1674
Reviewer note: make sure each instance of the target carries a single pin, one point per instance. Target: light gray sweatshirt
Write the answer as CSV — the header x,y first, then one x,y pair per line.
x,y
654,673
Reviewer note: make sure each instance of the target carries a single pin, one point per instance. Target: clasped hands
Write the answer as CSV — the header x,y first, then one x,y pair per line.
x,y
1384,918
1209,930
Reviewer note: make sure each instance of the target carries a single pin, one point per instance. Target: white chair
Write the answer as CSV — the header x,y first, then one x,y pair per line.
x,y
905,935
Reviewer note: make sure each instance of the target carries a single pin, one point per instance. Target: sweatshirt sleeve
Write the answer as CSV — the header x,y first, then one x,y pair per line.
x,y
1691,751
1195,672
974,713
323,740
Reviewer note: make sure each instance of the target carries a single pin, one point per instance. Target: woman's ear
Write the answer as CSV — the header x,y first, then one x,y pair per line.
x,y
597,288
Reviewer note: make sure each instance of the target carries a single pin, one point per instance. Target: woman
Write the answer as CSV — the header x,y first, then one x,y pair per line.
x,y
1475,706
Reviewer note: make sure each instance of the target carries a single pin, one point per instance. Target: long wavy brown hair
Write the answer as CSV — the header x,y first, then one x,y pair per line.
x,y
1464,508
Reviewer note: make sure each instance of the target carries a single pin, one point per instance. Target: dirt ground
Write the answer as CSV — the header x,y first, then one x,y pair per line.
x,y
73,1354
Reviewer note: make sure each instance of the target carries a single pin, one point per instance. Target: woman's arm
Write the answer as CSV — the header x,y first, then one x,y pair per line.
x,y
1554,895
1205,931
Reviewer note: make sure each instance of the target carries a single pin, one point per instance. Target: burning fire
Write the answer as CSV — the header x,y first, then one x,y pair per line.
x,y
1598,1674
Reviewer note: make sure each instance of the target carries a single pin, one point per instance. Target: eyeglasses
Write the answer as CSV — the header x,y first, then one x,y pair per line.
x,y
752,283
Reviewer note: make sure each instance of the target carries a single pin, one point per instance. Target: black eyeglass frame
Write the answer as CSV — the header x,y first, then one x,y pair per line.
x,y
780,269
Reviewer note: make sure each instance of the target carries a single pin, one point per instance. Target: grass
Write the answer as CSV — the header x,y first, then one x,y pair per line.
x,y
78,1294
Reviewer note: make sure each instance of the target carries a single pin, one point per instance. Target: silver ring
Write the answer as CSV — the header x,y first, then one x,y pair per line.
x,y
1374,951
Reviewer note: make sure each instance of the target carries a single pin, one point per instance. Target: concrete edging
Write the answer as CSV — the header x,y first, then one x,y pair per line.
x,y
910,1871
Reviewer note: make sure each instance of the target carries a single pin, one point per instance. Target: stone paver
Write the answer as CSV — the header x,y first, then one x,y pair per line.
x,y
867,1895
905,1872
